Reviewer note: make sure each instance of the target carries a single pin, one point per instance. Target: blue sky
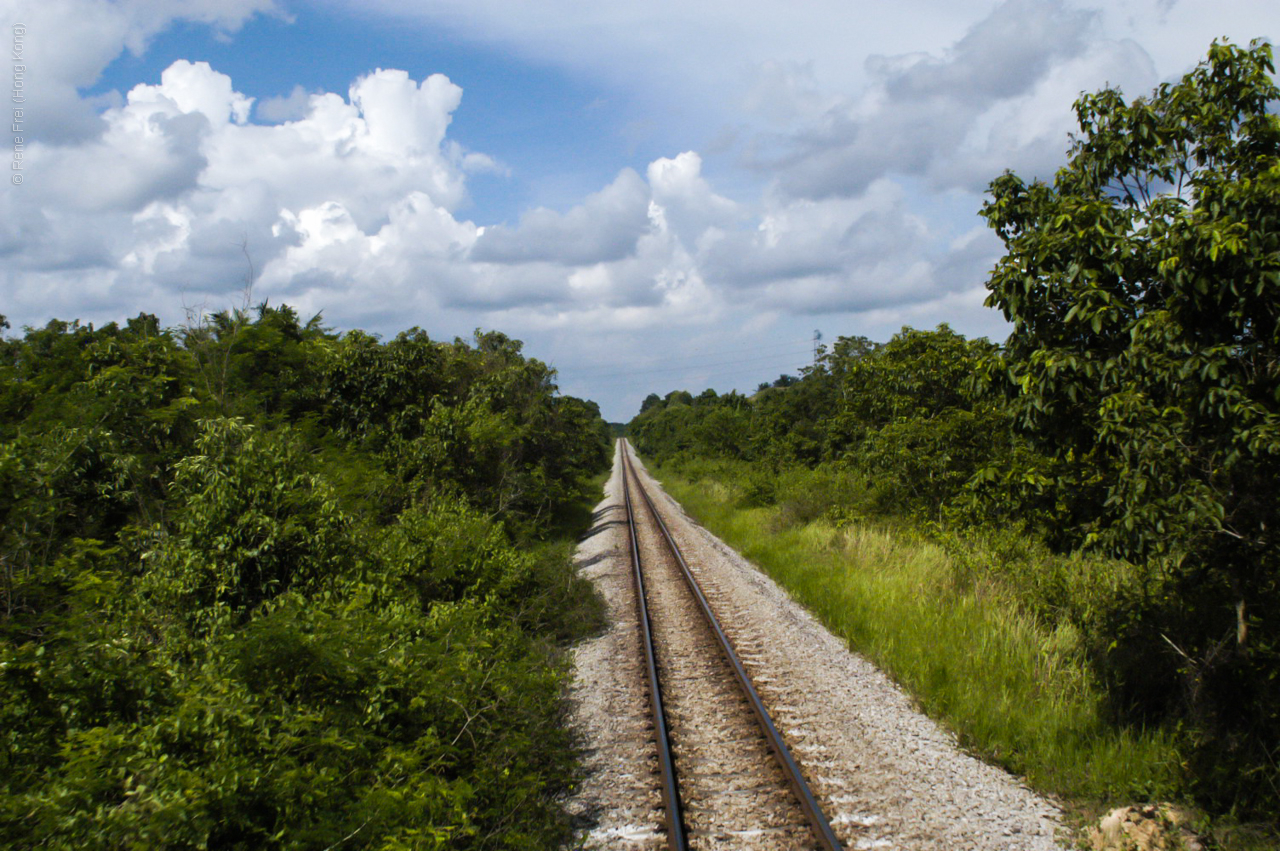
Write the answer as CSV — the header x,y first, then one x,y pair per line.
x,y
653,196
530,116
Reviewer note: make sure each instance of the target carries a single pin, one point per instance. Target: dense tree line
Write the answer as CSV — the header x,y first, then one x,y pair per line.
x,y
911,415
1134,411
267,586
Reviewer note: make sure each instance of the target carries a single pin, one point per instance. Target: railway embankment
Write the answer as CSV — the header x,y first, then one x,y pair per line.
x,y
885,774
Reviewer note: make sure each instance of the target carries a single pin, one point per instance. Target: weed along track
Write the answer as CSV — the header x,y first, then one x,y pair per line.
x,y
883,775
728,777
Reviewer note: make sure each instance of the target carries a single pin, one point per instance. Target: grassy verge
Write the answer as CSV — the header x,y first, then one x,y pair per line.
x,y
944,619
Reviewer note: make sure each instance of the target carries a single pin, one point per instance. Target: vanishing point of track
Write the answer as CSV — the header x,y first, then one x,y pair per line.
x,y
698,755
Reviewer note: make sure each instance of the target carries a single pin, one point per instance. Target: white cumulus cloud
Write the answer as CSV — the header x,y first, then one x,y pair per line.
x,y
821,159
179,186
72,41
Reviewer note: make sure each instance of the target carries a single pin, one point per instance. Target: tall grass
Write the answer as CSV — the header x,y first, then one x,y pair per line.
x,y
952,624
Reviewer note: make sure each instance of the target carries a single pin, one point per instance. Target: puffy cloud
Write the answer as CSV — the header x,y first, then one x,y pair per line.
x,y
1001,56
383,141
403,118
179,187
783,92
840,254
604,227
72,41
152,147
189,88
1003,90
687,203
1027,133
349,207
330,257
288,107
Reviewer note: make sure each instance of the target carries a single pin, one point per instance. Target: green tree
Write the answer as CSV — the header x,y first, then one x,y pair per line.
x,y
679,397
266,587
251,522
910,412
1144,288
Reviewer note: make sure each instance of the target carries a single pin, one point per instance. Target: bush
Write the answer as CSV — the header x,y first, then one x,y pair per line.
x,y
284,628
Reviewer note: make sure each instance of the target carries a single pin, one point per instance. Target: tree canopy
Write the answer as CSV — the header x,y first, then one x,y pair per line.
x,y
1143,284
266,586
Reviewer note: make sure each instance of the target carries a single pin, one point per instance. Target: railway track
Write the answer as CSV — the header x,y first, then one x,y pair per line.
x,y
728,778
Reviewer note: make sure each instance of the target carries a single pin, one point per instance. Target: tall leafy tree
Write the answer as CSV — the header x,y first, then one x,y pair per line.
x,y
910,411
1143,283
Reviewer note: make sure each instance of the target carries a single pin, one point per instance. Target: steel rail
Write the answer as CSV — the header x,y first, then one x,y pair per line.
x,y
677,837
813,812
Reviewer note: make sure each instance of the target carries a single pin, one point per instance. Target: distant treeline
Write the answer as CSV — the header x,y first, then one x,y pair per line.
x,y
268,586
1134,412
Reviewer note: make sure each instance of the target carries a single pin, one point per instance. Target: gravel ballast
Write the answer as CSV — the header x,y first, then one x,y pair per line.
x,y
886,775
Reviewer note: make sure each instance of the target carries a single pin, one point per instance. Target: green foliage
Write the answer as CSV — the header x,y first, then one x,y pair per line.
x,y
267,587
1144,288
916,375
910,414
249,522
1133,415
914,415
484,422
920,463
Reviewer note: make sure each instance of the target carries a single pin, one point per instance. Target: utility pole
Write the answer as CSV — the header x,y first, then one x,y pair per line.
x,y
817,338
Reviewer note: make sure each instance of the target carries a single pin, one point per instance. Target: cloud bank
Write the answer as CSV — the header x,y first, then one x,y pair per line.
x,y
845,187
351,207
